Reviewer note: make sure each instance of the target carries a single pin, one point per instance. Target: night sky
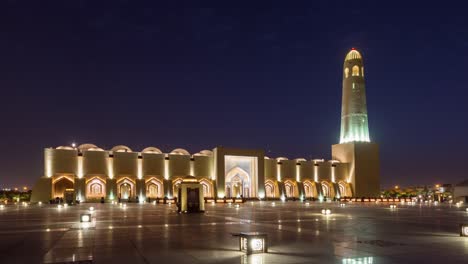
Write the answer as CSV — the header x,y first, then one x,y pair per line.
x,y
256,75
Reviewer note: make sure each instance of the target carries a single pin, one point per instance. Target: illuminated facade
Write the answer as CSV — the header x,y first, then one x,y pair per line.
x,y
354,123
92,173
121,173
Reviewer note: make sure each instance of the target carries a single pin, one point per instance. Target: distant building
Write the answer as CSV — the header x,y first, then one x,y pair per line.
x,y
460,192
91,173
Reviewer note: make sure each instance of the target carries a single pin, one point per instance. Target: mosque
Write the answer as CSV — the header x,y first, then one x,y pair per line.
x,y
89,173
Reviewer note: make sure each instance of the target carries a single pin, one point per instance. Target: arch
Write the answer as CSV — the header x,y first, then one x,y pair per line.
x,y
86,146
327,189
175,186
151,150
64,147
121,148
310,189
154,188
207,188
281,158
180,151
270,189
345,189
95,188
237,183
346,72
125,188
60,184
355,70
290,189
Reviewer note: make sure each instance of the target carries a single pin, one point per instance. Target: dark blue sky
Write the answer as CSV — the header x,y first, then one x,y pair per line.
x,y
254,75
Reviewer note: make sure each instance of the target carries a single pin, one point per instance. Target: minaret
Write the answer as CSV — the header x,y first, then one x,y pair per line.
x,y
354,124
355,148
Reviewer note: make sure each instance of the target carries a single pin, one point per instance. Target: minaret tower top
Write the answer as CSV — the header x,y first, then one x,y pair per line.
x,y
354,123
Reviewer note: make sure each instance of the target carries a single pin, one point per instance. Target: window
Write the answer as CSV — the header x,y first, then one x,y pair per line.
x,y
346,72
355,70
362,71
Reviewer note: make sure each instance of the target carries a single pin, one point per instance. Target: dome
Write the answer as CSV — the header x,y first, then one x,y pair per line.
x,y
87,146
64,147
353,55
180,151
204,153
152,150
121,148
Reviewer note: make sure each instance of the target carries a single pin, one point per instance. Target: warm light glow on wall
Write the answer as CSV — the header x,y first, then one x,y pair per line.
x,y
110,167
140,168
298,172
315,173
48,165
79,172
166,169
278,171
333,173
192,170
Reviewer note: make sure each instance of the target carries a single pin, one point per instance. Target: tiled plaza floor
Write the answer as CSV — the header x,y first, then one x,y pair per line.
x,y
298,233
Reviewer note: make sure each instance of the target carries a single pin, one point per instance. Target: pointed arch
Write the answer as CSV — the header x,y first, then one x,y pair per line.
x,y
175,186
237,183
60,184
310,189
271,189
327,189
345,189
207,187
290,189
95,188
125,188
154,188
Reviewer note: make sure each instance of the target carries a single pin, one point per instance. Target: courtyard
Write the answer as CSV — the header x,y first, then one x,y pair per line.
x,y
297,232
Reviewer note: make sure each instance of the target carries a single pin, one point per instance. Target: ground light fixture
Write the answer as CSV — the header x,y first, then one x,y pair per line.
x,y
466,209
59,206
91,209
2,206
39,203
464,230
85,218
342,205
393,206
252,242
326,211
